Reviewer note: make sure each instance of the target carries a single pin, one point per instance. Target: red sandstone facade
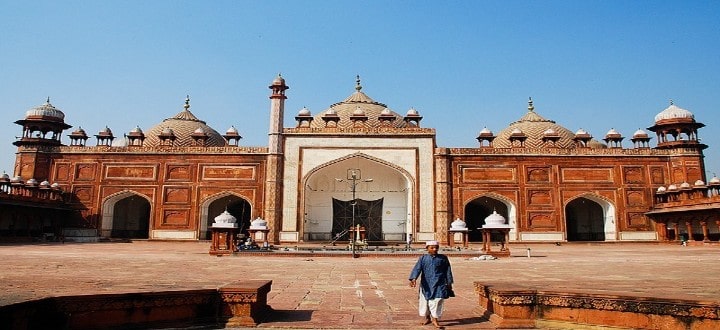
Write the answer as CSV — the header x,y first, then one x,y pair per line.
x,y
549,183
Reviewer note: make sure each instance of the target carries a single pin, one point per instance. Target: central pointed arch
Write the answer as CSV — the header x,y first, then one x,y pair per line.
x,y
385,205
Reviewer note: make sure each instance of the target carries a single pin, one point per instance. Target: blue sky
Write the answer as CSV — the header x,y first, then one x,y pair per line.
x,y
464,65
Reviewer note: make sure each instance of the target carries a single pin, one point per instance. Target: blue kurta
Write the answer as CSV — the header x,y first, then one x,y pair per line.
x,y
435,275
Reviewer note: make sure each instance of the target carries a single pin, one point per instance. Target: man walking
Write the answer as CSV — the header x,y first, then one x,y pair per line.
x,y
435,283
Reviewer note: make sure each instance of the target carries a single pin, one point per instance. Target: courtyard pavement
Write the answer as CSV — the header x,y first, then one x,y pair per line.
x,y
365,293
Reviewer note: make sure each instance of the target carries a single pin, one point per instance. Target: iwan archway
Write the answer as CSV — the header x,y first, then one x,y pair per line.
x,y
126,215
589,218
479,208
382,194
236,205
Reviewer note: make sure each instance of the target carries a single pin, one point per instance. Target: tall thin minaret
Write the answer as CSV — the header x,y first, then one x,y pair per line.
x,y
277,111
274,169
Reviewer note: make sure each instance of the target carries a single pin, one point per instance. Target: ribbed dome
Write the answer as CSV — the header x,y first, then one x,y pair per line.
x,y
182,125
534,126
674,112
46,111
358,101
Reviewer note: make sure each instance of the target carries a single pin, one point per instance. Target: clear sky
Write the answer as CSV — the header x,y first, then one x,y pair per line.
x,y
463,65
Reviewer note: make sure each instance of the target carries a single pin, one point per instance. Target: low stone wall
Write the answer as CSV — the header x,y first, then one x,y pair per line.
x,y
508,307
236,304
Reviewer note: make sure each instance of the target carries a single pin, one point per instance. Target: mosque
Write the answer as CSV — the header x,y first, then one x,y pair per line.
x,y
359,162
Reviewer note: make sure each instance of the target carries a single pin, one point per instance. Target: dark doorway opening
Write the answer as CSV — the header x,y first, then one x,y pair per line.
x,y
585,220
236,206
367,213
475,213
131,218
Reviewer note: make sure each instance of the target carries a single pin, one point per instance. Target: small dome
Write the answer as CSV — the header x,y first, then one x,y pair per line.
x,y
458,224
105,132
231,130
549,132
581,132
45,184
358,112
16,179
495,220
612,133
225,220
4,177
167,131
674,112
31,182
386,112
136,130
304,112
331,112
279,80
715,180
258,223
699,183
485,131
684,185
672,187
640,134
661,189
79,131
412,112
45,111
55,186
516,131
199,130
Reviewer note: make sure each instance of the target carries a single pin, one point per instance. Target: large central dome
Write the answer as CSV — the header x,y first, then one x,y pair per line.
x,y
183,125
356,104
534,127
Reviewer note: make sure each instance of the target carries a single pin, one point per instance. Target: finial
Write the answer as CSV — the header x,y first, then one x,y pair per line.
x,y
48,100
671,102
357,83
187,102
530,104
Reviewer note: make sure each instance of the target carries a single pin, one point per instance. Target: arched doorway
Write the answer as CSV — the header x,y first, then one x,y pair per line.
x,y
235,205
130,217
585,220
383,201
477,210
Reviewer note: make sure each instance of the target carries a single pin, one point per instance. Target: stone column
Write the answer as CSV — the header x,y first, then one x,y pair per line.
x,y
443,200
662,231
676,226
704,231
688,225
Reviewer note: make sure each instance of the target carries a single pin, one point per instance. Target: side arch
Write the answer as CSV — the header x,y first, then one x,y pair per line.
x,y
509,204
244,214
108,211
609,226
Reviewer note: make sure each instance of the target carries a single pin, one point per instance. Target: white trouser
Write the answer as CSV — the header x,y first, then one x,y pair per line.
x,y
432,307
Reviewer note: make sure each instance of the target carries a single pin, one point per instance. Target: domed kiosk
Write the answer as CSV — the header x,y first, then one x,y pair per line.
x,y
223,234
495,223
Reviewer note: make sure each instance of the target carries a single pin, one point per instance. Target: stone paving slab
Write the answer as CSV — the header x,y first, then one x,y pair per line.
x,y
365,293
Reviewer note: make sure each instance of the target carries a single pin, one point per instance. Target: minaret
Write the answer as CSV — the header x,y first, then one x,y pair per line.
x,y
277,111
274,167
